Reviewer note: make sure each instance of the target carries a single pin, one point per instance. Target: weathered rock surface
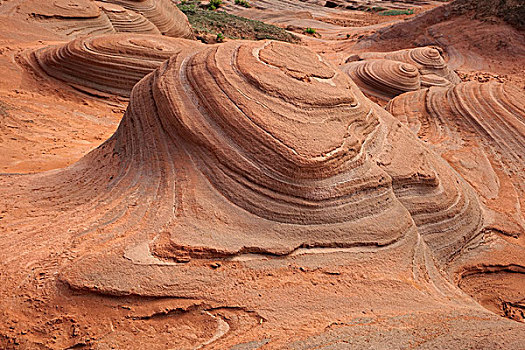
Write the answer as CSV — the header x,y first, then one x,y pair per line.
x,y
162,13
428,60
252,196
75,18
69,17
479,129
232,165
384,79
110,64
124,20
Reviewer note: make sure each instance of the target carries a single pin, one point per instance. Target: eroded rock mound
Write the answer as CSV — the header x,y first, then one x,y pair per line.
x,y
244,178
266,137
486,120
75,18
110,64
124,20
383,78
68,17
428,60
162,13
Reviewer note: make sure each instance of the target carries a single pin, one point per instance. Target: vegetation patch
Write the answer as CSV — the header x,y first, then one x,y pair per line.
x,y
243,3
214,4
207,23
310,31
511,11
376,9
396,12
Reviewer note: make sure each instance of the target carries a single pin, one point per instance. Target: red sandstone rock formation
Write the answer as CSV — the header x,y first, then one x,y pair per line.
x,y
124,20
230,161
163,13
253,197
384,75
110,64
75,18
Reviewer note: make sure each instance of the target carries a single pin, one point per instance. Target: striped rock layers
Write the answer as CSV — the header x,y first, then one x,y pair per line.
x,y
110,64
162,13
69,17
75,18
243,177
124,20
383,78
255,147
479,128
428,61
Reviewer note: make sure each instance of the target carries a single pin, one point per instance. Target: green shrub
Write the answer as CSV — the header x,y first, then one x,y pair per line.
x,y
396,12
214,4
205,22
220,37
310,31
376,9
243,3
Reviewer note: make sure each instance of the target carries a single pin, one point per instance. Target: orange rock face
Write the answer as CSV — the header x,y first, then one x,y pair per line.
x,y
110,64
384,75
162,13
74,18
252,195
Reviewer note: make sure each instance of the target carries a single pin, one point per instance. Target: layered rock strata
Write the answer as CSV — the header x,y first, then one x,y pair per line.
x,y
69,17
110,64
383,79
162,13
428,60
124,20
243,179
479,129
216,142
77,18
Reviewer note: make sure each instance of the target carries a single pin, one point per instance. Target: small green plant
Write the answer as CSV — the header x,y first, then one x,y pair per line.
x,y
214,4
206,24
243,3
376,9
396,12
310,31
220,37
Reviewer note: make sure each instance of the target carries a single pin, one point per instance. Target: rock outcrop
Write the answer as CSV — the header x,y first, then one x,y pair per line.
x,y
76,18
428,60
162,13
249,187
480,129
109,64
263,137
383,78
124,20
384,75
69,17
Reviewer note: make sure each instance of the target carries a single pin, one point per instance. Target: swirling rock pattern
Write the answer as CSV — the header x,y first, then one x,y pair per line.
x,y
309,162
162,13
110,64
70,17
124,20
75,18
427,59
384,79
480,129
237,170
